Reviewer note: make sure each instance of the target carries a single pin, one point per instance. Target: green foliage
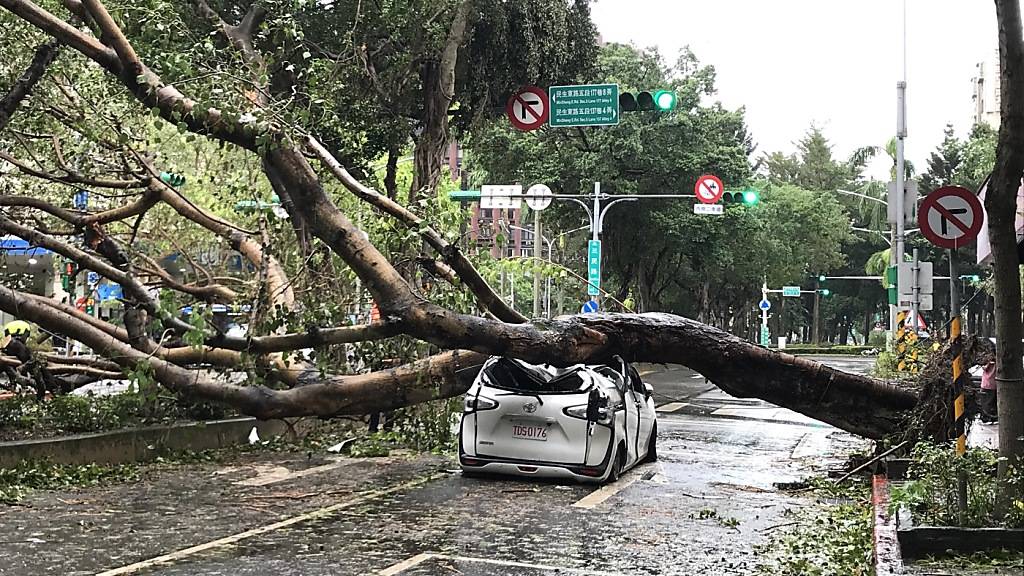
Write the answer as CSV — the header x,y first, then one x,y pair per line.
x,y
830,539
24,415
28,475
931,491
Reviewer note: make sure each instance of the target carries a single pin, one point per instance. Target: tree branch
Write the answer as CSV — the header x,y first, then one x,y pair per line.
x,y
451,255
45,54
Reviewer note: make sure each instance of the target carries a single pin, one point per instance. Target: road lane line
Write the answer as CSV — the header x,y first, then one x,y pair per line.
x,y
319,513
671,407
406,564
605,492
281,474
546,567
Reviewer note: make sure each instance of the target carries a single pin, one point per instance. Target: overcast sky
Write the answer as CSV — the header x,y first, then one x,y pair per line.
x,y
833,63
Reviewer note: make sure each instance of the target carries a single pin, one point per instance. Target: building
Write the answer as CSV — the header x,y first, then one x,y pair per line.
x,y
986,91
488,225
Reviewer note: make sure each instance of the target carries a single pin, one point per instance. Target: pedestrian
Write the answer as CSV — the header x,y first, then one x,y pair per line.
x,y
15,343
988,399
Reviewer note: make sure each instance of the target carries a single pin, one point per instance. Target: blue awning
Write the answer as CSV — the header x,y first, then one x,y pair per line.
x,y
16,246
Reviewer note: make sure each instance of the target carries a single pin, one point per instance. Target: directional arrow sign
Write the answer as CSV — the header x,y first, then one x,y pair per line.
x,y
528,108
951,217
764,305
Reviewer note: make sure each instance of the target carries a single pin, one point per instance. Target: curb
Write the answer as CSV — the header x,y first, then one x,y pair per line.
x,y
138,444
888,559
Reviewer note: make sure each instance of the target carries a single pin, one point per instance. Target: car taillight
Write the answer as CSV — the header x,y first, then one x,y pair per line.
x,y
477,403
604,415
593,472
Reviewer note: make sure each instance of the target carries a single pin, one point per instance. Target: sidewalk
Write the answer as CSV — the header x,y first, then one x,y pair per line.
x,y
981,435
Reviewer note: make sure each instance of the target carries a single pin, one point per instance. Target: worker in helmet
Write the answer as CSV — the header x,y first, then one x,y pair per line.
x,y
15,343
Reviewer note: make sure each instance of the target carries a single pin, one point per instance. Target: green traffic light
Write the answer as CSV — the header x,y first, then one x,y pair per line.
x,y
825,292
665,100
821,278
750,197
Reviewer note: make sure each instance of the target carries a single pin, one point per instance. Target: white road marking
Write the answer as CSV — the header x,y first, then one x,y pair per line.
x,y
672,407
319,513
406,564
590,501
273,474
420,558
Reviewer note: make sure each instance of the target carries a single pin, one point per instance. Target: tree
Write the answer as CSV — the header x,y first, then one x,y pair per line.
x,y
1001,206
242,106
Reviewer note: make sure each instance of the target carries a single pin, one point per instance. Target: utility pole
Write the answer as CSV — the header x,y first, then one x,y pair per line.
x,y
899,232
538,241
816,334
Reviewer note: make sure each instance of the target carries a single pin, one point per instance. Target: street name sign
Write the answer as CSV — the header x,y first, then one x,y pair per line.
x,y
791,291
951,217
538,197
594,267
584,105
708,189
508,197
905,285
528,108
716,209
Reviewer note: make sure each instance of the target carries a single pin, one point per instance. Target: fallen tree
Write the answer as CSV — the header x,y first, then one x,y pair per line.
x,y
856,403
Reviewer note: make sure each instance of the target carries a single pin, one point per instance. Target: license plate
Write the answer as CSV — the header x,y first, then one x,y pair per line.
x,y
530,432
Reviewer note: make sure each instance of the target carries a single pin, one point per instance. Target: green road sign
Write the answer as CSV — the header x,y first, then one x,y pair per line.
x,y
584,105
594,267
791,291
765,335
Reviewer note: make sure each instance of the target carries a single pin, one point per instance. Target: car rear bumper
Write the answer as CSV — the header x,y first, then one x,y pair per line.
x,y
487,464
555,471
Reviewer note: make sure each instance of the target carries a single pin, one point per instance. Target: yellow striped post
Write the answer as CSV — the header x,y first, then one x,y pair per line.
x,y
959,382
959,423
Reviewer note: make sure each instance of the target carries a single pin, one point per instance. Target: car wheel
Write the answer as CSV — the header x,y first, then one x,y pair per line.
x,y
652,445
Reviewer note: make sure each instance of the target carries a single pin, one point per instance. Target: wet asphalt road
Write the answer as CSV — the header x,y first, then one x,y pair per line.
x,y
700,509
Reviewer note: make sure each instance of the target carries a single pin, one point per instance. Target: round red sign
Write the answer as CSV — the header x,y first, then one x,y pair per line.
x,y
951,217
708,189
528,108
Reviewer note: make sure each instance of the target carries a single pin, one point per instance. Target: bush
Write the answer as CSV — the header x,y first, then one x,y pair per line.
x,y
931,494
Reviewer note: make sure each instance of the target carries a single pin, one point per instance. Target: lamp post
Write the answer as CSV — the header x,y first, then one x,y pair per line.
x,y
550,244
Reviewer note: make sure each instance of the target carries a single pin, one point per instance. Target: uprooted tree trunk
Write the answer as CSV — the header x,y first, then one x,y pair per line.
x,y
856,403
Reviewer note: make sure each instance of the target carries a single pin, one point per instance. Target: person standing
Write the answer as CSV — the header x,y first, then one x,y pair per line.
x,y
988,399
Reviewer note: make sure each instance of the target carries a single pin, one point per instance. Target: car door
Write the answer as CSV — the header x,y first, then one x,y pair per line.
x,y
632,409
645,409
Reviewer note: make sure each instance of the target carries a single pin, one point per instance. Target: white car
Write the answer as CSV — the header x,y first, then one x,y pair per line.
x,y
586,423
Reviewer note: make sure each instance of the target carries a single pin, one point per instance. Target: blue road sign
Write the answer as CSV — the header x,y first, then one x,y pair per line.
x,y
594,267
92,278
589,307
764,304
80,200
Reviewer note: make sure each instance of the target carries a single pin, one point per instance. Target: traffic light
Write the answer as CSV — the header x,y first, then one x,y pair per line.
x,y
659,100
172,179
821,278
825,291
745,197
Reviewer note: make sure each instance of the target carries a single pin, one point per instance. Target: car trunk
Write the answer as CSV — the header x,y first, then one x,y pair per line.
x,y
529,423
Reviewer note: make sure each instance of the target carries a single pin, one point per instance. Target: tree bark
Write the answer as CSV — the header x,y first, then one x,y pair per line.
x,y
438,90
1000,203
44,55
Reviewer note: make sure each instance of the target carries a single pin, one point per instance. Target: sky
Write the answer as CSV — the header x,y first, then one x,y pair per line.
x,y
833,63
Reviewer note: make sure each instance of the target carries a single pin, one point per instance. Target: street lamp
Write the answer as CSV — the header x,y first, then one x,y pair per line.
x,y
550,243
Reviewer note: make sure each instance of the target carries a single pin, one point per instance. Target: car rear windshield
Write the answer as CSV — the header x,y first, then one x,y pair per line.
x,y
514,375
